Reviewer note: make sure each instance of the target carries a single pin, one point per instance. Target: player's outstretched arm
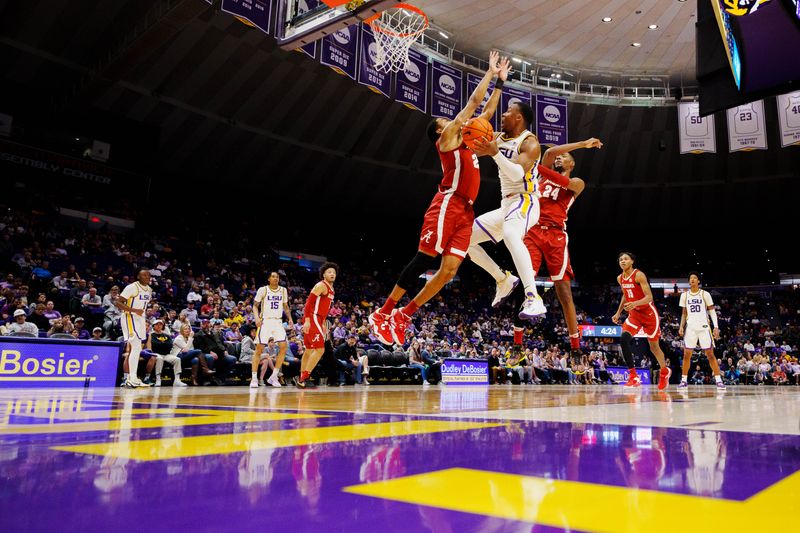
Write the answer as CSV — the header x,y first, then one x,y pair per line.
x,y
494,100
555,151
451,135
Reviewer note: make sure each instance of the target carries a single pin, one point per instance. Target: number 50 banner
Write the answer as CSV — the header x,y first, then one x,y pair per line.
x,y
696,132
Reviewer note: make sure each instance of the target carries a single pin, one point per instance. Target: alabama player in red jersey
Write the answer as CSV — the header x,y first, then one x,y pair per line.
x,y
447,226
315,330
637,300
548,239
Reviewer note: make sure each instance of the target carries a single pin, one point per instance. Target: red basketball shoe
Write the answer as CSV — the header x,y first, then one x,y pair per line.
x,y
399,322
633,380
381,327
663,378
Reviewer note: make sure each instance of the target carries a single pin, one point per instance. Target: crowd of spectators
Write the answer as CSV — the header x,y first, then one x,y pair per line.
x,y
61,281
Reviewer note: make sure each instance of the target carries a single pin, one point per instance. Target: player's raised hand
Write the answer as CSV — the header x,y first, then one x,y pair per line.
x,y
494,67
483,147
592,143
505,68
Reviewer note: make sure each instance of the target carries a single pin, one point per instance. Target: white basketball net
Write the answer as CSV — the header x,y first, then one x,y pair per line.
x,y
395,31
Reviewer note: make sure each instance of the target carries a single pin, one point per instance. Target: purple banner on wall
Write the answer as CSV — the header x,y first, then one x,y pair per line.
x,y
472,82
446,84
380,82
56,363
512,95
340,51
411,84
551,119
258,13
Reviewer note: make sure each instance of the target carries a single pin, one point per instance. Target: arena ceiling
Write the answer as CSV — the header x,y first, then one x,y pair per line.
x,y
572,32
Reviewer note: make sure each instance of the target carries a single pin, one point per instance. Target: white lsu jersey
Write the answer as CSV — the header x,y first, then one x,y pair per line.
x,y
272,302
696,304
510,148
137,296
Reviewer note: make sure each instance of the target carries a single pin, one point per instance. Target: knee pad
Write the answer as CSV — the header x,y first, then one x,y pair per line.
x,y
413,270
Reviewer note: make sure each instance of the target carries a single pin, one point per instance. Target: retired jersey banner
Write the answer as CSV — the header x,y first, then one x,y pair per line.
x,y
340,51
255,13
696,133
746,130
512,95
789,116
551,119
446,84
379,82
411,84
472,83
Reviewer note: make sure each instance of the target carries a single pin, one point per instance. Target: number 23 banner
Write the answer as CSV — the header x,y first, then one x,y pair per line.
x,y
746,129
696,132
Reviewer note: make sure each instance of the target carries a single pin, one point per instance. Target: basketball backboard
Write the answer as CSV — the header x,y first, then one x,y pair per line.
x,y
301,22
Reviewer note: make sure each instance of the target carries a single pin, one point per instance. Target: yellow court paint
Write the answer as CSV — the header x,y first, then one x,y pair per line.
x,y
588,506
172,448
120,419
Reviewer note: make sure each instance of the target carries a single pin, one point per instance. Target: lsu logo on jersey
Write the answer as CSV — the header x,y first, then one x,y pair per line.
x,y
144,297
508,152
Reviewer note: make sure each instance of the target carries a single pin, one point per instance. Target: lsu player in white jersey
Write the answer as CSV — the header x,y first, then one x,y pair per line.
x,y
133,302
270,304
517,153
697,308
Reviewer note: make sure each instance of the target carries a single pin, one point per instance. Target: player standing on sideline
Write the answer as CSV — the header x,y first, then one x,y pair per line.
x,y
517,153
447,226
270,304
133,301
315,315
697,308
637,300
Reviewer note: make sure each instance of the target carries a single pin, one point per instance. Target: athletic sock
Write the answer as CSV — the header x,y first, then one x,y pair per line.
x,y
124,378
517,336
255,375
411,308
388,306
684,379
575,341
718,379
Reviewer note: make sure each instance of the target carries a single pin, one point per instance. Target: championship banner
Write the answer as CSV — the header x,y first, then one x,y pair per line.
x,y
255,13
472,82
551,120
377,81
340,51
33,362
513,95
446,84
696,133
620,374
411,84
746,130
465,372
789,115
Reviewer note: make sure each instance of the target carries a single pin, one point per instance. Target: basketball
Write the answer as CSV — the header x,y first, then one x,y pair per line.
x,y
474,129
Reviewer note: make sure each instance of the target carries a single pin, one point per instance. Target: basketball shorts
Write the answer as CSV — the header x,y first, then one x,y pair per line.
x,y
447,226
315,338
551,246
645,319
698,337
133,326
271,328
520,207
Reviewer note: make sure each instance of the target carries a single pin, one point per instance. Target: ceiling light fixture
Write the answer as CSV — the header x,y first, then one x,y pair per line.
x,y
637,45
607,19
516,60
443,34
652,27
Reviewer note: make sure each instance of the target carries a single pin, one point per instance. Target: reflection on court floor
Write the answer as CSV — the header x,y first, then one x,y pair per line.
x,y
398,459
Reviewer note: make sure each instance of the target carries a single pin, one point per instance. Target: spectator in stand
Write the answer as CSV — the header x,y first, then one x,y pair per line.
x,y
517,363
732,373
191,313
207,309
210,342
347,360
181,321
497,373
233,334
433,361
91,302
20,325
193,296
248,348
160,343
83,333
183,347
415,360
97,334
50,312
76,296
779,376
38,318
698,378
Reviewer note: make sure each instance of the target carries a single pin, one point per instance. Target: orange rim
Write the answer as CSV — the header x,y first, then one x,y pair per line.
x,y
408,7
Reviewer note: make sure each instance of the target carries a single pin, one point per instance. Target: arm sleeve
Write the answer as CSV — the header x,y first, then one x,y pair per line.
x,y
512,170
556,177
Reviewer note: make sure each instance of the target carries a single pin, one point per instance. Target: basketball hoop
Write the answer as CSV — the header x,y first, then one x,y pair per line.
x,y
395,30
